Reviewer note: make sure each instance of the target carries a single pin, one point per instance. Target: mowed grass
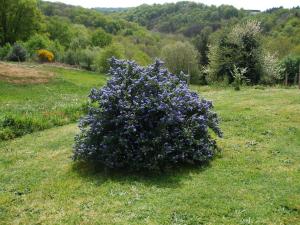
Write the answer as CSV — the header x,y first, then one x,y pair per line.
x,y
254,180
27,107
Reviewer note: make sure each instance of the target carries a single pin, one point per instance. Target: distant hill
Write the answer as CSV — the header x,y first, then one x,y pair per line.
x,y
281,27
110,10
188,18
80,15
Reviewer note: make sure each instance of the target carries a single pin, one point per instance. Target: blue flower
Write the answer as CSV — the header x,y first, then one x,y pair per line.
x,y
146,118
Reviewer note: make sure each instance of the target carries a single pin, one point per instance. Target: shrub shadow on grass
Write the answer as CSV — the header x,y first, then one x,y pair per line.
x,y
170,178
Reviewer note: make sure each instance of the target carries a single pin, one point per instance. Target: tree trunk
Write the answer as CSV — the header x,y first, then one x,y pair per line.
x,y
286,79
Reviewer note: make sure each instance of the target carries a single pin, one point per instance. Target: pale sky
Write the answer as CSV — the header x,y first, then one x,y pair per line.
x,y
246,4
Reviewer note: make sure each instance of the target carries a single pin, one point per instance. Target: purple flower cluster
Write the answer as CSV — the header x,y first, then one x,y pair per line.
x,y
146,118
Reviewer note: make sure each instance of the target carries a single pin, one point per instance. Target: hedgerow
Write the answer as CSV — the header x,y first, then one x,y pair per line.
x,y
146,118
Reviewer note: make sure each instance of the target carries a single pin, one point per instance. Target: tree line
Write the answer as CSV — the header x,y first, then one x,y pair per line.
x,y
212,44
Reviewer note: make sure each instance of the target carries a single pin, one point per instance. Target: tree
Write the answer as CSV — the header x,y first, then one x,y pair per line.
x,y
37,42
101,63
60,29
81,37
18,20
100,38
4,50
240,46
181,57
272,70
290,68
201,43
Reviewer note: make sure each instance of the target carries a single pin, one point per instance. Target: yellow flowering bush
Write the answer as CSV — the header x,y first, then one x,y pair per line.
x,y
45,55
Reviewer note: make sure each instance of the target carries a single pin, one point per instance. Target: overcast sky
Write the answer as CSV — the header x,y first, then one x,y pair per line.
x,y
246,4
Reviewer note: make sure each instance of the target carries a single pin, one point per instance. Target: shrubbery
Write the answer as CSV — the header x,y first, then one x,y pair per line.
x,y
100,38
240,46
45,55
182,56
290,68
272,71
86,58
58,50
101,63
4,51
37,42
239,77
17,53
71,57
146,119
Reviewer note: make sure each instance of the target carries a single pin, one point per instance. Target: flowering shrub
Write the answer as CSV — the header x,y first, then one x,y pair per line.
x,y
45,55
146,118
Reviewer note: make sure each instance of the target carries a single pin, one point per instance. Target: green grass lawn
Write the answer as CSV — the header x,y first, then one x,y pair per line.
x,y
30,107
254,180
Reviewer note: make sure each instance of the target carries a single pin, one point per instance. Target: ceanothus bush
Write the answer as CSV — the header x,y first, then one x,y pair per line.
x,y
146,118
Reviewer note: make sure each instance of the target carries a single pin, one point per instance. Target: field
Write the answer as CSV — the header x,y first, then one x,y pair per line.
x,y
38,97
254,180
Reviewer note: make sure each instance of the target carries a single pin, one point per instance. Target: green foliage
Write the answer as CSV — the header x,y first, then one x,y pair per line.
x,y
87,57
240,46
280,26
100,38
282,30
136,52
78,43
239,76
272,70
4,50
281,46
12,127
37,42
101,62
201,42
291,68
58,50
73,31
79,15
188,18
83,58
181,57
81,37
59,29
17,54
18,20
71,57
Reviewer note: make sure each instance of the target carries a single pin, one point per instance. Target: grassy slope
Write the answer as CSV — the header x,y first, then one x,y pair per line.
x,y
254,181
42,106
